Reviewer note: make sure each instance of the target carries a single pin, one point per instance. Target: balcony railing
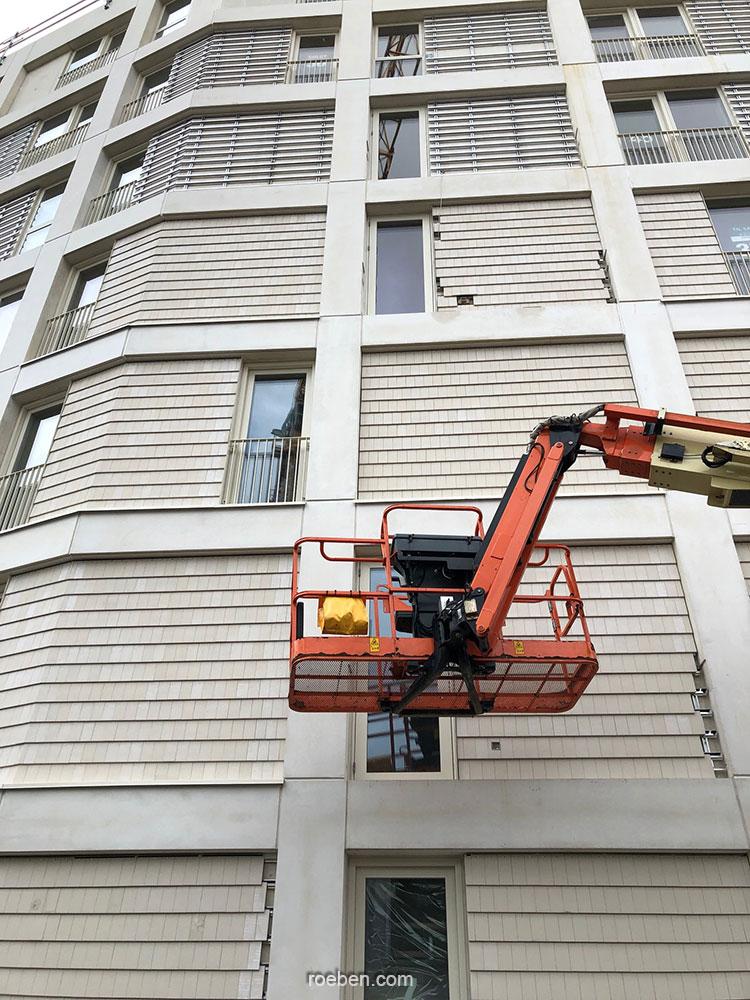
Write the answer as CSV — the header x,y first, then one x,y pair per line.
x,y
738,262
46,149
112,201
311,70
17,493
143,104
266,470
685,145
66,329
654,47
75,74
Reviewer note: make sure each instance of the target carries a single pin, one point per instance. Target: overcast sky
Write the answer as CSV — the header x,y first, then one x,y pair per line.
x,y
15,16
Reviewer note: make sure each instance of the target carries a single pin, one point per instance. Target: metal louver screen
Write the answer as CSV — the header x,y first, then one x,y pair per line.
x,y
487,41
501,253
251,149
722,25
12,148
506,132
231,60
13,217
738,96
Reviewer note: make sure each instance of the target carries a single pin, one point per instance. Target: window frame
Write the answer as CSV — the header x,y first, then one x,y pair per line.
x,y
29,224
358,737
165,29
241,416
448,868
75,113
76,279
8,297
101,47
419,24
663,110
421,113
22,427
426,218
633,23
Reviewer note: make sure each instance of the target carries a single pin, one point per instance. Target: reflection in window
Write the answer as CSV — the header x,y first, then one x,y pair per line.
x,y
399,744
53,128
88,285
43,218
660,21
697,109
398,145
406,934
731,221
175,14
399,268
608,26
273,450
398,51
84,55
37,441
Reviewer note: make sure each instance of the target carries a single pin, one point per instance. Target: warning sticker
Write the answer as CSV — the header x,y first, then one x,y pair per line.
x,y
518,647
374,645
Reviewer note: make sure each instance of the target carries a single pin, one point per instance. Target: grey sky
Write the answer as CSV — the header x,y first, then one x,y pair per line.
x,y
17,16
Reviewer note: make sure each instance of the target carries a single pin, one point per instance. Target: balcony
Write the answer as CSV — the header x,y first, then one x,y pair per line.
x,y
148,102
653,47
266,470
42,152
66,329
685,145
112,201
75,74
738,262
17,493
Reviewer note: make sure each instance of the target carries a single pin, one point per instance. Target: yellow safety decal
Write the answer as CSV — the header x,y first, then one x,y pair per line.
x,y
518,647
374,645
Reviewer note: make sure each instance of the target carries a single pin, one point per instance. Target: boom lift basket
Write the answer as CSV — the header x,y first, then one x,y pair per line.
x,y
543,665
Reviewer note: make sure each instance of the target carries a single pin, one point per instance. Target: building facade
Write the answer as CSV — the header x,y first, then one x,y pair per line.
x,y
266,267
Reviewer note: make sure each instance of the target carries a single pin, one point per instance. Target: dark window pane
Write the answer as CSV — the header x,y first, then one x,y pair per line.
x,y
398,744
732,225
398,145
399,276
697,109
316,47
85,54
400,41
609,26
636,116
662,21
276,408
406,934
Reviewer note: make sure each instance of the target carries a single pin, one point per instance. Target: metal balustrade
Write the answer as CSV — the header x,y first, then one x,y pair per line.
x,y
653,47
738,262
17,493
266,470
66,329
684,145
143,104
46,149
113,201
75,74
311,70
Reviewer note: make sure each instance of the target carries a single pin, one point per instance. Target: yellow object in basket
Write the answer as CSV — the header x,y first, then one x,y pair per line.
x,y
343,616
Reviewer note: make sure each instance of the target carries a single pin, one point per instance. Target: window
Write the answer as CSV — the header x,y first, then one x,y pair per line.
x,y
128,172
174,15
407,930
9,303
697,109
400,267
87,113
398,145
659,21
314,62
87,286
388,745
398,51
84,55
155,81
636,116
53,128
268,458
43,218
608,26
731,222
37,439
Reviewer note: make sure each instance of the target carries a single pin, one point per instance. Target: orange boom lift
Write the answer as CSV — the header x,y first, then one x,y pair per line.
x,y
492,621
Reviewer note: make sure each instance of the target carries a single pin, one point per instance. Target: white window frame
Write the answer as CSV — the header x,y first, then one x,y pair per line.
x,y
21,426
451,869
77,274
664,113
375,141
29,224
633,23
419,55
74,121
427,263
100,51
446,727
241,416
164,29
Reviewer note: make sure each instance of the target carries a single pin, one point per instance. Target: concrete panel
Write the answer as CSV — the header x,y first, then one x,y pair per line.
x,y
76,820
571,815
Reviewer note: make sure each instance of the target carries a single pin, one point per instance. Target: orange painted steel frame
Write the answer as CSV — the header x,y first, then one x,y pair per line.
x,y
372,673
